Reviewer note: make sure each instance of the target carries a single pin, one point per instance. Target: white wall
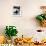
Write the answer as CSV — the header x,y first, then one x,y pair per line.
x,y
26,24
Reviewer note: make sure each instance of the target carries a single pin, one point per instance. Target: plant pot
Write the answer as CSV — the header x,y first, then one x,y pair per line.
x,y
13,38
9,41
43,23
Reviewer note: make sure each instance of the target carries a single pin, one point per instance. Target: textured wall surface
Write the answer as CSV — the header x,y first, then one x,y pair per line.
x,y
26,24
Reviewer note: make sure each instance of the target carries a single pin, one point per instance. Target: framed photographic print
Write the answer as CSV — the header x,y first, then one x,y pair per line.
x,y
16,11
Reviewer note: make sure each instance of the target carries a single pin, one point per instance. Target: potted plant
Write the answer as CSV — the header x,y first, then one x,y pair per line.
x,y
10,31
42,17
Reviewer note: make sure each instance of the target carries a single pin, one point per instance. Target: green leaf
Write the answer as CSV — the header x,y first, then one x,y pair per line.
x,y
10,31
40,18
45,16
